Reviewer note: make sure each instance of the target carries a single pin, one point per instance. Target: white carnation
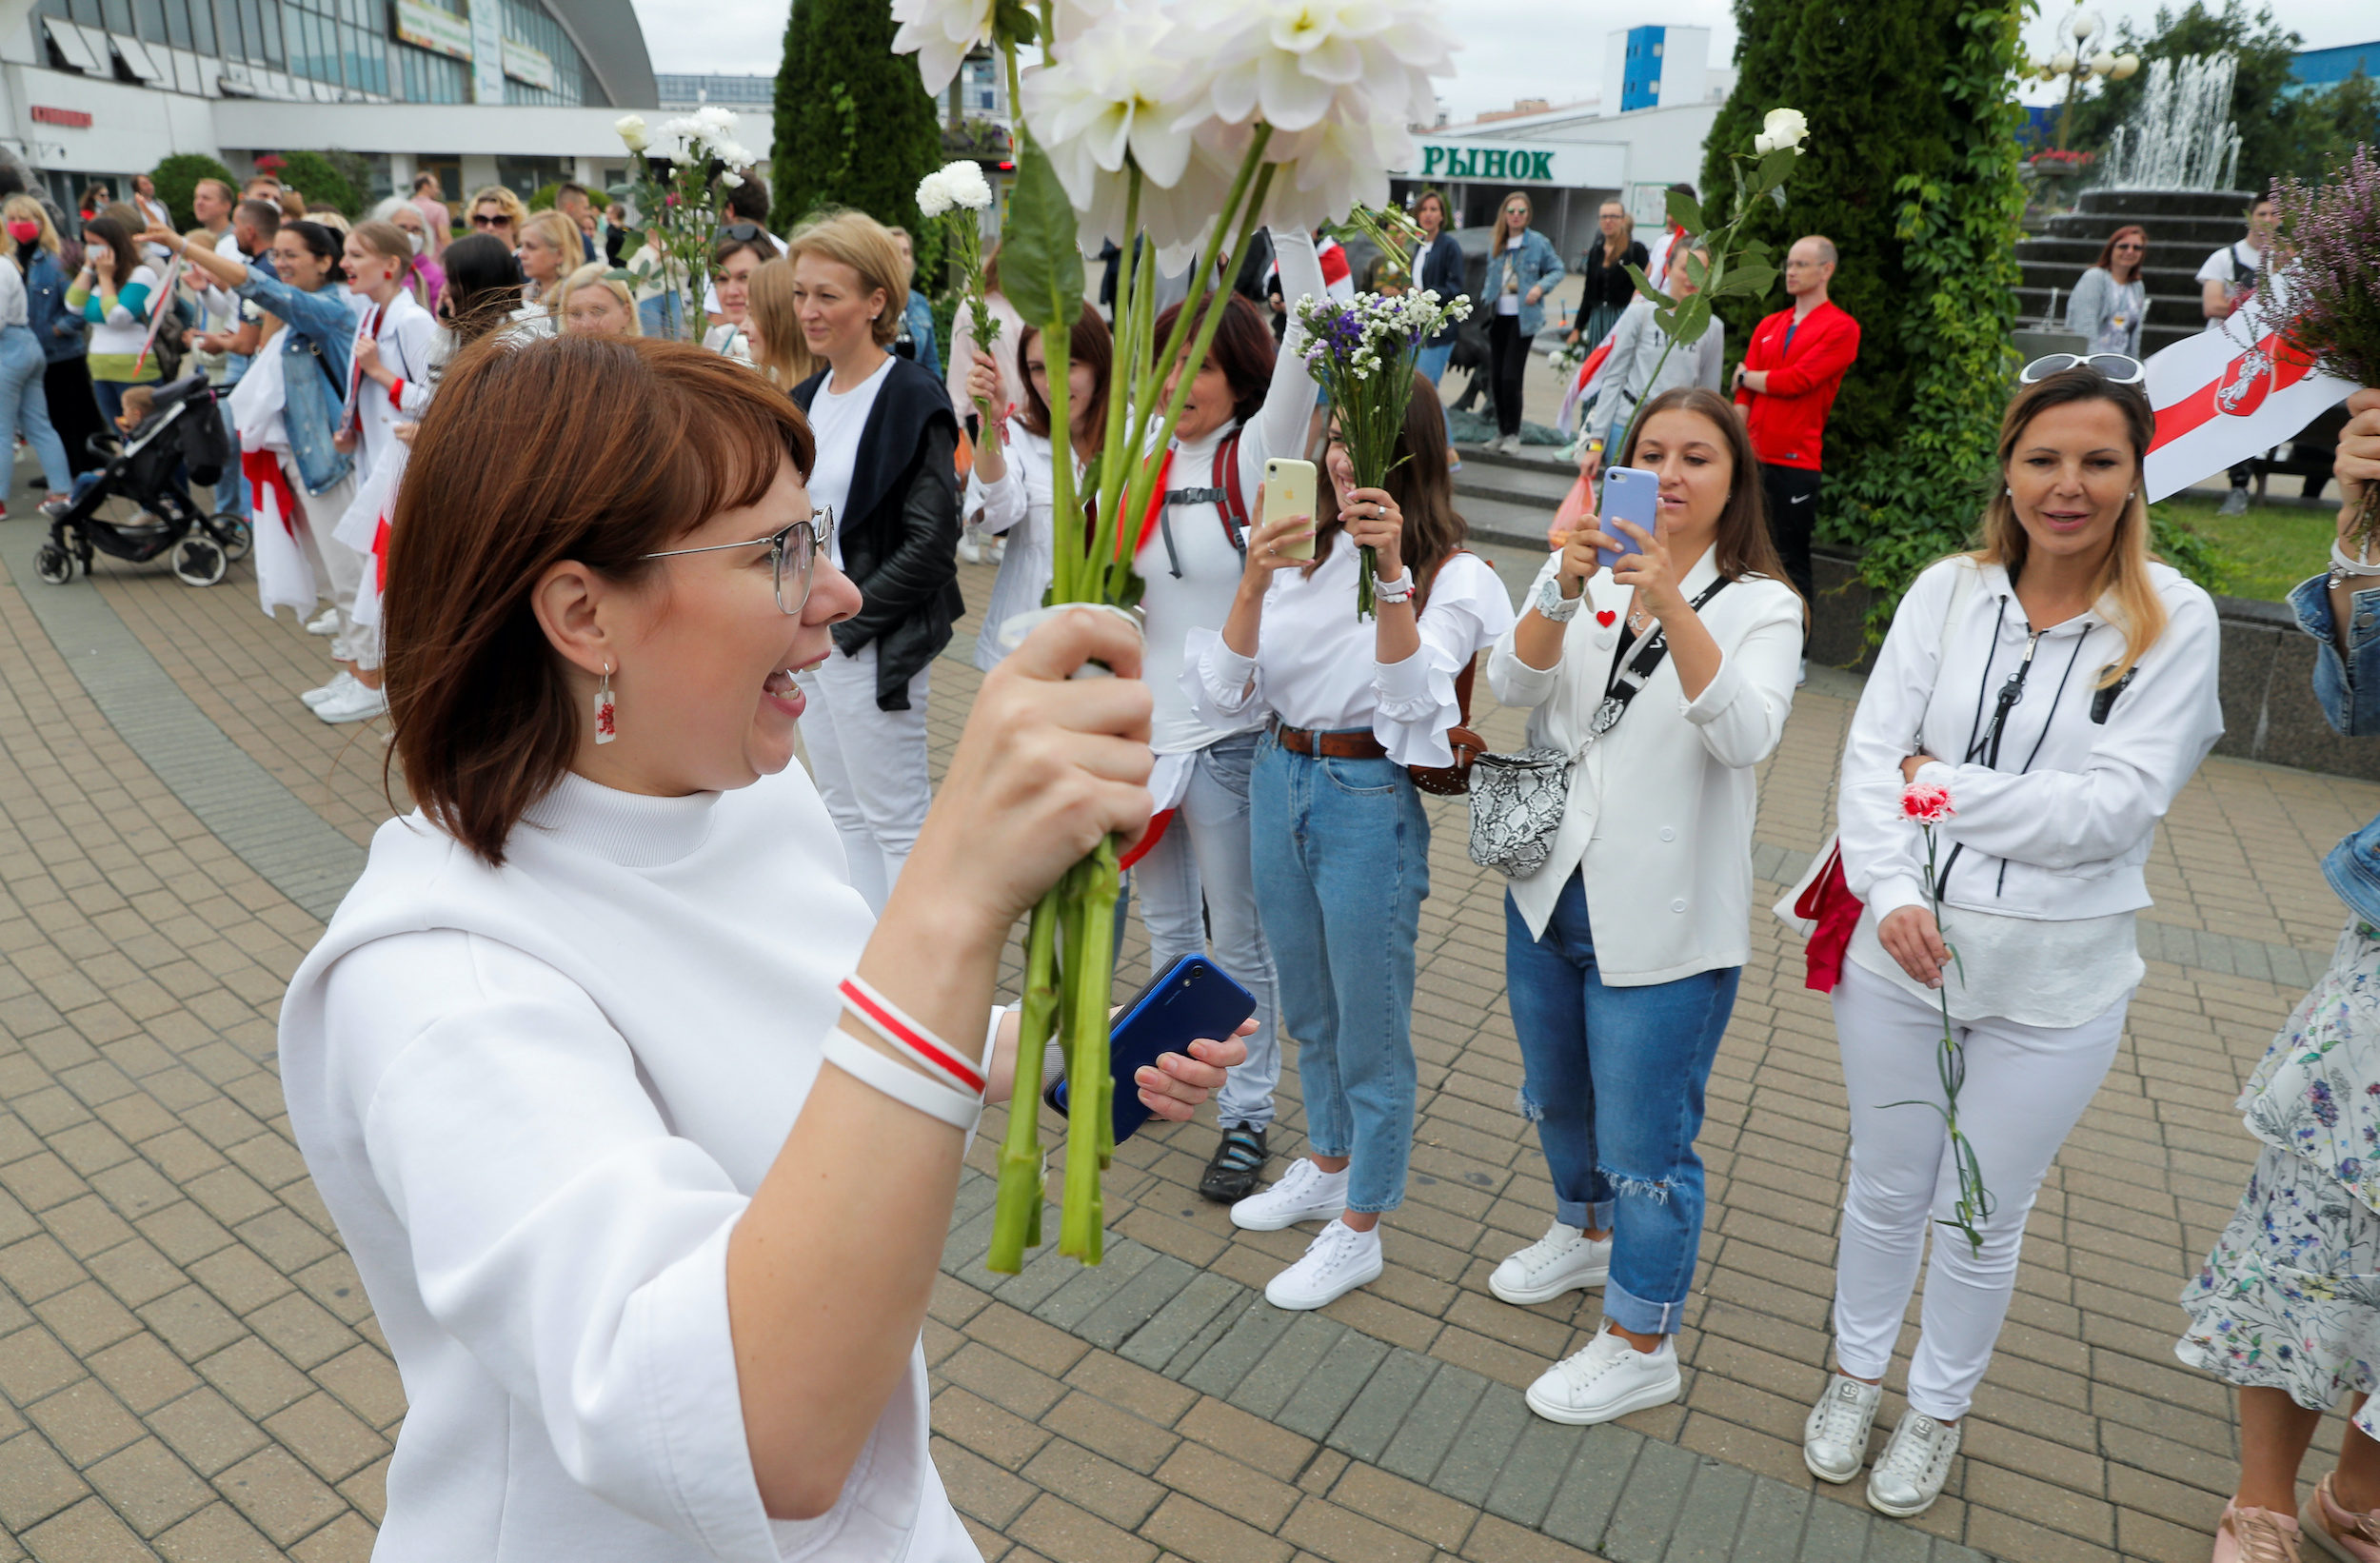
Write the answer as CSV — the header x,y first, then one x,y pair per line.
x,y
934,193
964,181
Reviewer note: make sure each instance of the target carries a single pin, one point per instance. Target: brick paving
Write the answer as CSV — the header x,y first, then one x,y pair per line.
x,y
188,1369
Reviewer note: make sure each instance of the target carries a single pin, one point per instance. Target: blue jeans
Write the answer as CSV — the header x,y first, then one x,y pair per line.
x,y
1201,866
232,488
1615,1080
659,315
1341,855
23,405
1432,362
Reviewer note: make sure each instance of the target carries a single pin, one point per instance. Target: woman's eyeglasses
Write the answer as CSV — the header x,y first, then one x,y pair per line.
x,y
2119,370
481,219
797,547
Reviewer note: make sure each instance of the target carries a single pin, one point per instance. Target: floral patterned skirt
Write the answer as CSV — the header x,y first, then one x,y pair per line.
x,y
2289,1299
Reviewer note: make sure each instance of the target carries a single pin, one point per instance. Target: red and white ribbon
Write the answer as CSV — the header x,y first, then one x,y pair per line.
x,y
882,1017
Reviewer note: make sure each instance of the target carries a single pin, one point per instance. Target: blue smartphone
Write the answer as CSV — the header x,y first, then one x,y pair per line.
x,y
1191,999
1629,494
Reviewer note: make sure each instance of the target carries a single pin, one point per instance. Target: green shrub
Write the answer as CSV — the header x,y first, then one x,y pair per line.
x,y
177,179
319,180
542,198
854,126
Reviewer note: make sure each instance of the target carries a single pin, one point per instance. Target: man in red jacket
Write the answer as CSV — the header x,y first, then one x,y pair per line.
x,y
1785,387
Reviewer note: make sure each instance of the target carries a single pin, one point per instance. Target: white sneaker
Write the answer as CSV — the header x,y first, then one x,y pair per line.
x,y
339,684
355,704
1909,1473
1835,1439
1338,1260
1609,1379
1511,446
1565,1260
2235,503
1305,1193
325,623
969,552
1803,676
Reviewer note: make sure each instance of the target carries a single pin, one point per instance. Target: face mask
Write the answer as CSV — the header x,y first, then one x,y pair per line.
x,y
416,239
23,231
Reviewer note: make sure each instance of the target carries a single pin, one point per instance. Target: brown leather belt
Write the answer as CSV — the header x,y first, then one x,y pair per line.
x,y
1305,740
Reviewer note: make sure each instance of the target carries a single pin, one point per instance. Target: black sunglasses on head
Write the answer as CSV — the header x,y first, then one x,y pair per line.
x,y
740,231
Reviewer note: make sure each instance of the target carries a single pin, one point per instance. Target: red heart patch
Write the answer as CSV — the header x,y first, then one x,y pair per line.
x,y
1605,618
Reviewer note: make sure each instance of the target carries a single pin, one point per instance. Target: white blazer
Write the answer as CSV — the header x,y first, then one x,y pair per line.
x,y
1661,812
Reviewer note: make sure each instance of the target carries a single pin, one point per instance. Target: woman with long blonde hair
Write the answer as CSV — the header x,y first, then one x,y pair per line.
x,y
1522,270
2061,684
772,325
65,376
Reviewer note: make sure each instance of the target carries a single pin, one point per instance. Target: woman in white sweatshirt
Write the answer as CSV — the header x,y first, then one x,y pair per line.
x,y
653,1272
1247,405
2061,684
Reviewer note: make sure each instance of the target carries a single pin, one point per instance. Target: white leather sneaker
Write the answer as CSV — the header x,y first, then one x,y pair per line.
x,y
339,684
1909,1473
1336,1263
355,704
325,623
1305,1193
1835,1439
1565,1260
1609,1379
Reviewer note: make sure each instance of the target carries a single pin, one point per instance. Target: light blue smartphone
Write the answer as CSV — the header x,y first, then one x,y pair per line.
x,y
1629,494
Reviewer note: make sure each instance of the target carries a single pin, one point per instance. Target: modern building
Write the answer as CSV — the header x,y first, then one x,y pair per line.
x,y
1644,132
482,92
2320,69
753,98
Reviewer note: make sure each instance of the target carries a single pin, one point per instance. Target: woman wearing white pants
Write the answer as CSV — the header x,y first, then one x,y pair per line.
x,y
887,470
2061,686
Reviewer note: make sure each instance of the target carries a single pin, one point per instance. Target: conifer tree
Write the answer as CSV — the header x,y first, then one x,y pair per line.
x,y
854,126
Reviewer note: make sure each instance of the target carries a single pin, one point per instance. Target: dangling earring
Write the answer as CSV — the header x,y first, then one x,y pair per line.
x,y
606,710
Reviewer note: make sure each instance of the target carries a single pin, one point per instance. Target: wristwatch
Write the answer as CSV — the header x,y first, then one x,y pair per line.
x,y
1552,606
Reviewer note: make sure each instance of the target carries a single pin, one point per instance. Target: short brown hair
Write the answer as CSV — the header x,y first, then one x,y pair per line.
x,y
1242,348
495,494
861,243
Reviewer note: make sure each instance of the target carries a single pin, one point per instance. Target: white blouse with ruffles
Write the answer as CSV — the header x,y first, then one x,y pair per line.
x,y
537,1098
1314,666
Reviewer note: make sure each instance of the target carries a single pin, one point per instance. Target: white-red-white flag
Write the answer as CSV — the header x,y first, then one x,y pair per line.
x,y
2227,394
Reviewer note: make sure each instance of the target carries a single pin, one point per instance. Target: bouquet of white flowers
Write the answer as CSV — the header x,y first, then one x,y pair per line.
x,y
1363,352
680,205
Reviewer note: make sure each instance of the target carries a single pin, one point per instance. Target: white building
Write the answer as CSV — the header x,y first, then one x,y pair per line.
x,y
1641,134
482,92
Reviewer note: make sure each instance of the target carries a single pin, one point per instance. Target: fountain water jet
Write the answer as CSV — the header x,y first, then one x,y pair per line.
x,y
2181,137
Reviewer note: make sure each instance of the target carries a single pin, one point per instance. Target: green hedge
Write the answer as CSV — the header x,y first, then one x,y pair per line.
x,y
177,178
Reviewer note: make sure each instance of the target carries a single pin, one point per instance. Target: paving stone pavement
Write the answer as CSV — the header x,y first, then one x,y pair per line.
x,y
188,1368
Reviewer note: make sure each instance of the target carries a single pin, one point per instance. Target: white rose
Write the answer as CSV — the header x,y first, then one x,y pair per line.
x,y
934,193
631,129
1785,128
1762,144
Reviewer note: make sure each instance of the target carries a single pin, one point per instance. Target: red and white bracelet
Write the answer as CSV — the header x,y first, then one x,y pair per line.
x,y
951,1091
887,1019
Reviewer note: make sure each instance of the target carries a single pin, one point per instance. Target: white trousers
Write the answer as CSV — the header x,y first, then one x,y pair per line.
x,y
2026,1088
338,568
870,765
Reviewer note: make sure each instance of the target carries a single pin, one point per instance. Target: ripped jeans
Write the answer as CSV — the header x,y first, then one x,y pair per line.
x,y
1615,1081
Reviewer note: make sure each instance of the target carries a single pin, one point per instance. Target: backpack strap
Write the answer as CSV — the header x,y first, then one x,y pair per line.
x,y
1233,505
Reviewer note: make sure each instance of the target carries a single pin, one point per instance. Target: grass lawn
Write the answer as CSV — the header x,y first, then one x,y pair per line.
x,y
2265,552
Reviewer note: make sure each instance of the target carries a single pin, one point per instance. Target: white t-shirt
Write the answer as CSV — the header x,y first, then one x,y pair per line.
x,y
2239,267
1508,302
837,421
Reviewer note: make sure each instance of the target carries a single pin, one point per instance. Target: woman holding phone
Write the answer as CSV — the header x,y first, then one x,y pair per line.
x,y
1341,846
1623,949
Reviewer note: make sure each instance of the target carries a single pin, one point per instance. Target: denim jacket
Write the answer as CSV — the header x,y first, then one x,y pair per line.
x,y
320,330
1537,266
2348,688
57,328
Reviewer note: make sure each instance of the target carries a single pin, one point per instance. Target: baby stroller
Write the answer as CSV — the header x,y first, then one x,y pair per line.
x,y
185,437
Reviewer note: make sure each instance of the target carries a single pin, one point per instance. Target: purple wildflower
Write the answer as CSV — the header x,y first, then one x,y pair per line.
x,y
2326,1110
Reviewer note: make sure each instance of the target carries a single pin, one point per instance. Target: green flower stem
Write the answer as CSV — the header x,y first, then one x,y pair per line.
x,y
1090,1090
1016,1223
1974,1200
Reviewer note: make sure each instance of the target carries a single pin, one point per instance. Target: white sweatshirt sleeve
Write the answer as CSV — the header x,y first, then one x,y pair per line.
x,y
2156,733
1468,609
1741,712
559,1230
1003,502
1883,854
1513,681
1280,427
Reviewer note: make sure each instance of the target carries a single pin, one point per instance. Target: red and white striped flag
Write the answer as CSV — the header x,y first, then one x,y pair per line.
x,y
2227,394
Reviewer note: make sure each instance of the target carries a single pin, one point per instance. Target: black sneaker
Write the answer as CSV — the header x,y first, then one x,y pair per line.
x,y
1237,1163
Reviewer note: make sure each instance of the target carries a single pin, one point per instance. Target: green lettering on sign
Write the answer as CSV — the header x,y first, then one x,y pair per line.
x,y
1432,159
1495,158
1541,166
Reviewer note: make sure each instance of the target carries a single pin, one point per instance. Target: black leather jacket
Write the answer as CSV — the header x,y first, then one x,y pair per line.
x,y
900,528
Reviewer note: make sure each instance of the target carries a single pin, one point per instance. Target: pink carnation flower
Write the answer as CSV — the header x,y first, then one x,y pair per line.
x,y
1926,804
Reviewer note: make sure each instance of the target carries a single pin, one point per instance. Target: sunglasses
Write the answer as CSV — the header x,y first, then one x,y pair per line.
x,y
740,231
480,219
2119,370
798,545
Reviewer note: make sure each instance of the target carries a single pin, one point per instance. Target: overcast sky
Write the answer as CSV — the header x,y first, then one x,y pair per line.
x,y
1507,52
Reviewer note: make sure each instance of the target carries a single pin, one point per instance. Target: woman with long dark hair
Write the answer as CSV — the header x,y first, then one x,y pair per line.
x,y
115,292
1011,488
1246,405
1623,949
1339,842
886,450
2061,684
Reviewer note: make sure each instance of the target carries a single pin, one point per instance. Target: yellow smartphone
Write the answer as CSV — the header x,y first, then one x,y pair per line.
x,y
1289,491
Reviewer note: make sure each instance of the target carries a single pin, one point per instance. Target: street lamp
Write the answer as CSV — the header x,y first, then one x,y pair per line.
x,y
2077,65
